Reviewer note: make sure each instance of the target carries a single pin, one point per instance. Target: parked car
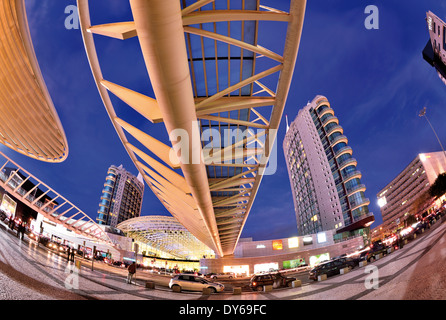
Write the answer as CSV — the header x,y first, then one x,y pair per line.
x,y
276,279
376,248
226,275
332,267
195,273
420,226
191,282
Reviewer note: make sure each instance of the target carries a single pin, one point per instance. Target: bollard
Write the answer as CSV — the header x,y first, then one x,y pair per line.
x,y
296,283
267,288
322,277
206,291
78,264
150,285
344,271
237,290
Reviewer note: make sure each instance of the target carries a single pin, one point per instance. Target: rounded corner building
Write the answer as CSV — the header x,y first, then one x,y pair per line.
x,y
121,197
326,185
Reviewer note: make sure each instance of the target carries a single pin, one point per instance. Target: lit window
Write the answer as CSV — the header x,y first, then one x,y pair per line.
x,y
277,245
321,237
293,242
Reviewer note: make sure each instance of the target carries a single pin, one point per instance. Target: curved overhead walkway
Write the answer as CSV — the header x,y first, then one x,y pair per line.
x,y
209,74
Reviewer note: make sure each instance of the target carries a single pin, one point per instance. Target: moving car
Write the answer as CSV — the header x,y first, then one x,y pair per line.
x,y
191,282
331,267
276,279
226,275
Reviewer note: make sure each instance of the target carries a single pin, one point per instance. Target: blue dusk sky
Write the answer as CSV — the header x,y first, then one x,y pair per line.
x,y
376,82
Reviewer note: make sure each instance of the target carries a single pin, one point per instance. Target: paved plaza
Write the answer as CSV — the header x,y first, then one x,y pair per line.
x,y
29,272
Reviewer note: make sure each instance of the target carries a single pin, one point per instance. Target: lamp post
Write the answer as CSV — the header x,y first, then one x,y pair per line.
x,y
423,114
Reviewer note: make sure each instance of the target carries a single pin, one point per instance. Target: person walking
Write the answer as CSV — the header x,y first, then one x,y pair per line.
x,y
132,270
72,254
22,230
68,254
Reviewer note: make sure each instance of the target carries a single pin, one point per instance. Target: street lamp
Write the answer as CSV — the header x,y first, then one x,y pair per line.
x,y
423,114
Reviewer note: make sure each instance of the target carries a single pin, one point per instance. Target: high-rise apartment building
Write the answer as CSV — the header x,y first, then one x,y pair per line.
x,y
121,198
397,200
435,51
327,189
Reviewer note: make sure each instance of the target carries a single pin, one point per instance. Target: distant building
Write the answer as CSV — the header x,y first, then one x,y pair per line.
x,y
121,198
327,189
397,199
435,51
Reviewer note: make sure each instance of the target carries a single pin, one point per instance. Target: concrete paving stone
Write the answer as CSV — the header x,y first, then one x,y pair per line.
x,y
416,271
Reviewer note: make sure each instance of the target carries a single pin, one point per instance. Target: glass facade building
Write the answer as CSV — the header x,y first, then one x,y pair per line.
x,y
121,197
435,51
326,185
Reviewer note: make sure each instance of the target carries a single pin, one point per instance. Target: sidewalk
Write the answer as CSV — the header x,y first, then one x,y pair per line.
x,y
28,271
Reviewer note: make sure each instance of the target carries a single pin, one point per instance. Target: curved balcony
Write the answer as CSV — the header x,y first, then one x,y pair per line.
x,y
347,162
338,139
357,188
337,128
330,119
359,203
344,150
351,175
325,111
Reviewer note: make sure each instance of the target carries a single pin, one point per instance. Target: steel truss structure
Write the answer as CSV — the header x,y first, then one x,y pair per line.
x,y
46,201
166,235
212,83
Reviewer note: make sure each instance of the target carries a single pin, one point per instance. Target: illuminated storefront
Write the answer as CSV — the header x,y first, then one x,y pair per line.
x,y
314,260
281,254
266,267
8,206
291,264
238,270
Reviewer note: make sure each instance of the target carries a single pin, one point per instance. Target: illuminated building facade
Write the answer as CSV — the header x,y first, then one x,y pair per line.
x,y
164,237
283,254
327,189
121,198
435,51
398,199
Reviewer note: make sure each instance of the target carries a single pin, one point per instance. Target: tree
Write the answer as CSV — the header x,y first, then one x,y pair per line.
x,y
421,203
439,187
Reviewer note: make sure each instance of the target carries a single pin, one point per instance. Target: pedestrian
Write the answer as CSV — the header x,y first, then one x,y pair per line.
x,y
68,254
22,230
72,254
132,270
